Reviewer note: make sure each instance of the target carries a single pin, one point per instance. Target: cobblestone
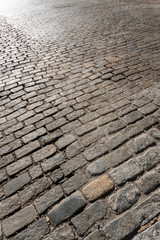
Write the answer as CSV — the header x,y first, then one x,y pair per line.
x,y
89,216
95,235
48,199
9,205
121,227
149,181
19,220
98,167
148,209
16,184
98,188
67,208
37,230
124,198
140,143
151,233
128,170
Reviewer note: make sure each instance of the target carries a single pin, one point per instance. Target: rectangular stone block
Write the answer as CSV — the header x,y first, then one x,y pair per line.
x,y
95,151
97,188
44,152
53,162
73,164
35,231
66,208
148,209
121,227
140,143
89,216
74,183
48,199
9,205
30,147
16,184
18,166
126,171
19,220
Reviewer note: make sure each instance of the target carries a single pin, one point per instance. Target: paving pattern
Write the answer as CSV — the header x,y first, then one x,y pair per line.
x,y
79,120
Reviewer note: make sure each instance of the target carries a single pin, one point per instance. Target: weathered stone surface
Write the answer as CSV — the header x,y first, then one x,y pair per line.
x,y
44,152
6,160
10,147
33,135
96,235
73,164
27,149
132,130
114,127
74,183
36,231
99,166
65,141
19,220
150,158
119,156
140,143
124,198
62,233
18,166
56,175
149,181
98,188
155,133
126,171
147,122
3,175
34,189
73,149
95,151
9,205
1,235
35,172
132,117
86,128
148,209
53,162
148,109
91,137
48,199
106,119
89,216
66,208
51,137
120,228
116,141
16,184
56,124
150,233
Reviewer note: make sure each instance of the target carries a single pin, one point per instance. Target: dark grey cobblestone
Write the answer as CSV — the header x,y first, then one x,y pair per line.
x,y
67,208
151,233
124,198
89,216
16,184
148,209
35,231
121,227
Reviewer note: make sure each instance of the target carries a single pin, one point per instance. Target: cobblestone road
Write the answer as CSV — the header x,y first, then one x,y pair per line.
x,y
79,120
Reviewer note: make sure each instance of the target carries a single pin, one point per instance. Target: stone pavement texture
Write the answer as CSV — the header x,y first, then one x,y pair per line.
x,y
79,119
